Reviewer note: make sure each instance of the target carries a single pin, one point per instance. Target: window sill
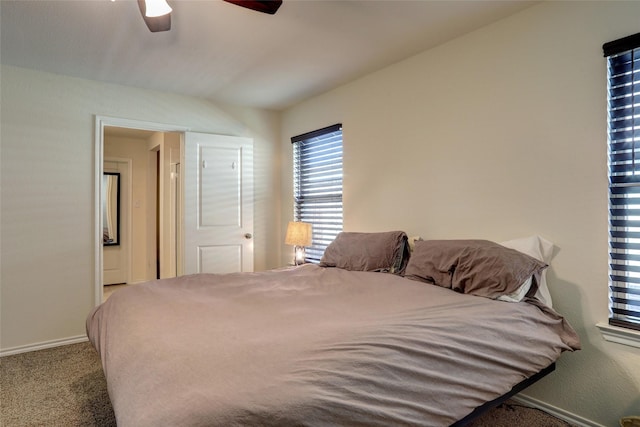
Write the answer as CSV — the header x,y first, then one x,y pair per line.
x,y
619,335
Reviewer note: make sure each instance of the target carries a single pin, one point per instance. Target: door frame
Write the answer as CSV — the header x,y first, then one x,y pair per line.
x,y
99,124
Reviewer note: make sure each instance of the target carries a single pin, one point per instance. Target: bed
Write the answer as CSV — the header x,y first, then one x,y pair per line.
x,y
358,340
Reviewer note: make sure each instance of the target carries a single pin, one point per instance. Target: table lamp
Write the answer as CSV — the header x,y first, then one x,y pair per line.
x,y
299,234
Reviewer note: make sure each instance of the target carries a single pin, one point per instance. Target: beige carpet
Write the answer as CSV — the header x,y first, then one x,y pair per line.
x,y
62,386
65,386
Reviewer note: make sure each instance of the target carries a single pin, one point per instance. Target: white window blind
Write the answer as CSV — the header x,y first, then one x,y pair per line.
x,y
317,185
623,60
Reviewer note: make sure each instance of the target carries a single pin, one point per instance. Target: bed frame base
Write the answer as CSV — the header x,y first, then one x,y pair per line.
x,y
515,390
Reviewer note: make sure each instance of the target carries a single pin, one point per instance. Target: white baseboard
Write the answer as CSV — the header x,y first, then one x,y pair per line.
x,y
567,416
43,345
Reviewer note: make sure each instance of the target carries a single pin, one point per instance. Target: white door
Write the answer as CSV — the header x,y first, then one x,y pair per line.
x,y
218,204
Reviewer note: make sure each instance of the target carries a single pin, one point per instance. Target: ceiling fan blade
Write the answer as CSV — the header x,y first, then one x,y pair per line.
x,y
156,23
266,6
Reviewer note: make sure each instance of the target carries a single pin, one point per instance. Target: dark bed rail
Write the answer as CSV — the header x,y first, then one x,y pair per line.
x,y
515,390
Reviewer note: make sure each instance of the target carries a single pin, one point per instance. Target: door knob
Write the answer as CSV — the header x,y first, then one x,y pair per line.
x,y
248,236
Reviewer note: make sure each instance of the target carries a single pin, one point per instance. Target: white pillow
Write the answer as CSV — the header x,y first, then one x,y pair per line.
x,y
519,294
412,242
540,249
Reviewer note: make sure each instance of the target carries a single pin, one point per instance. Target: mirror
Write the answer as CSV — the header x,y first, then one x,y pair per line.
x,y
111,209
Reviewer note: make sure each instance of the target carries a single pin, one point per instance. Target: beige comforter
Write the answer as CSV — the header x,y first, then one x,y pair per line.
x,y
313,346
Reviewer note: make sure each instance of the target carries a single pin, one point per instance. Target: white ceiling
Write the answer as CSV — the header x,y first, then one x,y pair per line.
x,y
230,54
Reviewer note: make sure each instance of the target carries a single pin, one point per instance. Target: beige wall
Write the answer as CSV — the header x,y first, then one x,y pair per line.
x,y
498,134
47,201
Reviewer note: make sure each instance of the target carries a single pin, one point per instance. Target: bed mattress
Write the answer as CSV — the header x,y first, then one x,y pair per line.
x,y
314,346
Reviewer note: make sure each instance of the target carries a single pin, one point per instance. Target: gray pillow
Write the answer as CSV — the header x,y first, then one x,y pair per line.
x,y
477,267
384,252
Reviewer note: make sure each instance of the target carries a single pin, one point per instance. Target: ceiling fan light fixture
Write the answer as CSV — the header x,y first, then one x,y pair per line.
x,y
155,8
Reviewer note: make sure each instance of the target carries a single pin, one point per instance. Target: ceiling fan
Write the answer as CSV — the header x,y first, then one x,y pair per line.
x,y
157,13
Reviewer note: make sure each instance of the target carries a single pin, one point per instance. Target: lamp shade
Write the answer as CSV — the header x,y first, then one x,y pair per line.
x,y
156,8
298,234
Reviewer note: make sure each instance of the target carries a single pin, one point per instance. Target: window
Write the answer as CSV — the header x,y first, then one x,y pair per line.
x,y
623,60
317,185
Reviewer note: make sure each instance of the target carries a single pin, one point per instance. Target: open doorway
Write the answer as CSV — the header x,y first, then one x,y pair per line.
x,y
148,206
146,158
213,232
